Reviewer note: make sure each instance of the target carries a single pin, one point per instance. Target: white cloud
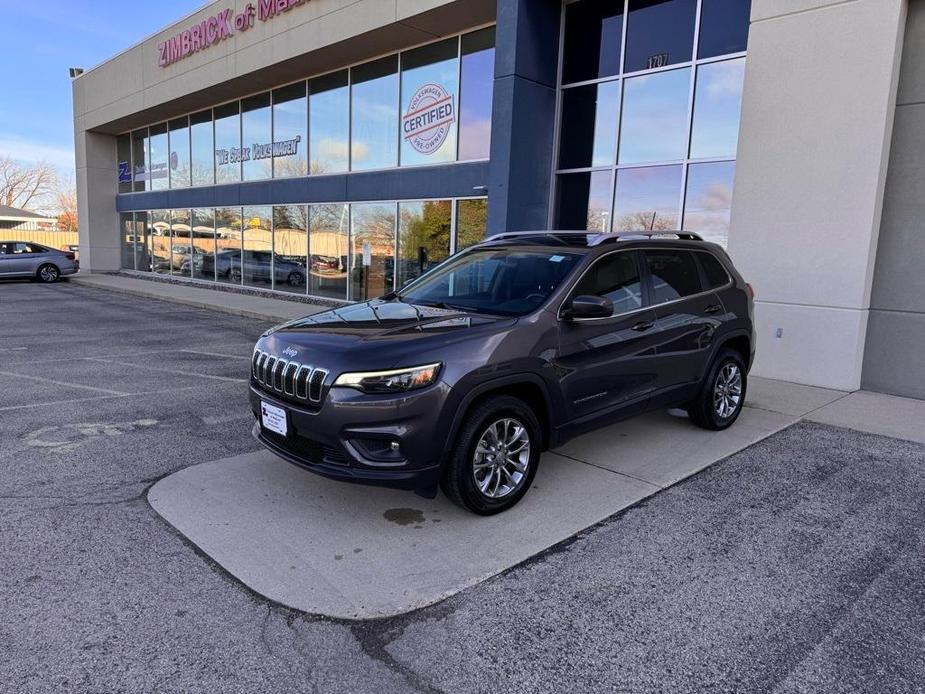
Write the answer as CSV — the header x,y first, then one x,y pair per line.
x,y
31,152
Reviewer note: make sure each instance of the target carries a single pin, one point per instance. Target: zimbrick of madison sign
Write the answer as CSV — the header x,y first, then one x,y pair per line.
x,y
219,27
427,122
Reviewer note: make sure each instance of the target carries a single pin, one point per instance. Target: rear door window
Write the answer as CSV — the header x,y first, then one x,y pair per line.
x,y
673,275
615,277
713,270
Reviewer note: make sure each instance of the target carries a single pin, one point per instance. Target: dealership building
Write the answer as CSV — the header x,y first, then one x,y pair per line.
x,y
338,148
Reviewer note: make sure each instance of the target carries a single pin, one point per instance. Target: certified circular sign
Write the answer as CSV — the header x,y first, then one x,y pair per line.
x,y
430,115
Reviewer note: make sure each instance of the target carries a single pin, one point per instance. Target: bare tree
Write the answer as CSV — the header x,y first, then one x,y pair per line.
x,y
22,185
66,205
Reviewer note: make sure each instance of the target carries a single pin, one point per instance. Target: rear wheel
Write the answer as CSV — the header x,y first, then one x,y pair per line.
x,y
495,457
722,394
48,273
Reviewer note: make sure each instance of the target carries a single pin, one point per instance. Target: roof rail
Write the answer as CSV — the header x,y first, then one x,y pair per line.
x,y
600,237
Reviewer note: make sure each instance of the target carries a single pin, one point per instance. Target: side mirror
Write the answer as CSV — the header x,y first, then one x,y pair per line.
x,y
587,306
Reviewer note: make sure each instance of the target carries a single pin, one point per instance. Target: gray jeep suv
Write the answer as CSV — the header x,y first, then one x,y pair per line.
x,y
462,378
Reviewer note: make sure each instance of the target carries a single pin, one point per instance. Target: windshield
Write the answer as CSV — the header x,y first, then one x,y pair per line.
x,y
493,280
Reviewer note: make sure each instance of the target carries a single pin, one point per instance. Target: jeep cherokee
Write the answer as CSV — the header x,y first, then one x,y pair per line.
x,y
511,347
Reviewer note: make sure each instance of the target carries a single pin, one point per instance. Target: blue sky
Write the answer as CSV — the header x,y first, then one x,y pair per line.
x,y
41,40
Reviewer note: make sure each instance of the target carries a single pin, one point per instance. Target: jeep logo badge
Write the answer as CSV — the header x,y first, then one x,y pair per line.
x,y
290,352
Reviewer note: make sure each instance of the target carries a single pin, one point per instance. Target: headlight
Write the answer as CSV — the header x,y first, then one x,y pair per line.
x,y
395,381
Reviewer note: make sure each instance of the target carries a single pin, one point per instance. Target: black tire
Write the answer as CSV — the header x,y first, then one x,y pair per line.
x,y
459,476
48,273
234,274
296,279
706,410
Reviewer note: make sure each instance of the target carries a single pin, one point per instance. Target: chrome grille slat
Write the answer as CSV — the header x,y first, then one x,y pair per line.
x,y
316,384
291,378
278,374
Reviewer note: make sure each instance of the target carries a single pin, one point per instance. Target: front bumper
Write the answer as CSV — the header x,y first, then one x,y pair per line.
x,y
321,439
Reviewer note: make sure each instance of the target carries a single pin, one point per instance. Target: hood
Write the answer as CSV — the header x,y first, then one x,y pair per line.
x,y
381,331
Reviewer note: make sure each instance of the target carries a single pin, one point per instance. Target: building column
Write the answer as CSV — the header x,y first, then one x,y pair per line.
x,y
97,186
814,141
523,114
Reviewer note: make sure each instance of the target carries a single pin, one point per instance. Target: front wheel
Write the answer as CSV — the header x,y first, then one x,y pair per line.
x,y
495,457
722,394
48,274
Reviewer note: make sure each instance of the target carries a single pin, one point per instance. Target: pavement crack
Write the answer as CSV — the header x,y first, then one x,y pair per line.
x,y
373,639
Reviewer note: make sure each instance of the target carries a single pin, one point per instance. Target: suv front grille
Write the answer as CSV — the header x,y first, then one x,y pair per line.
x,y
289,378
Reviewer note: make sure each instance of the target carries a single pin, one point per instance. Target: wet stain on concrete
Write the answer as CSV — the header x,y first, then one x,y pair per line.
x,y
404,516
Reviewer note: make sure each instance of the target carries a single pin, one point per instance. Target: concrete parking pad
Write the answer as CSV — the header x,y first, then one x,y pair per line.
x,y
352,551
662,448
901,418
788,398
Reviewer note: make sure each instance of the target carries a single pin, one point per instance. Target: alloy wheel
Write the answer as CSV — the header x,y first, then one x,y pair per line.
x,y
727,391
501,458
48,273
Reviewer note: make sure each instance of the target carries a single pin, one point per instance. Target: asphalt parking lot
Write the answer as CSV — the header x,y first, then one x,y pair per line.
x,y
795,565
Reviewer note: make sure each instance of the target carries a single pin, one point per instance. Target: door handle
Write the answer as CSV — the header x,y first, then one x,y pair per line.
x,y
643,325
713,308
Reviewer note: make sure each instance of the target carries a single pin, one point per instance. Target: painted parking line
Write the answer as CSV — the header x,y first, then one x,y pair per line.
x,y
170,371
70,401
62,384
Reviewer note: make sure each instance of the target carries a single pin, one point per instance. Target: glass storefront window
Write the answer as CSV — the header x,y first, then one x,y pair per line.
x,y
159,241
127,229
423,237
723,27
203,244
659,33
258,247
717,107
181,243
158,156
329,123
290,248
124,161
374,115
290,131
429,99
709,200
647,199
227,261
477,76
140,160
589,125
471,222
256,138
179,159
329,247
227,143
593,36
654,126
372,241
202,149
583,201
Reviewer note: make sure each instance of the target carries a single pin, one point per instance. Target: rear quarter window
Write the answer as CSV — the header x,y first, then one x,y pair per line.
x,y
674,275
713,270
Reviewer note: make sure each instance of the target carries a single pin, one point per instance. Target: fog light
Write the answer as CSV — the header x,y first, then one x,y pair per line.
x,y
379,450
